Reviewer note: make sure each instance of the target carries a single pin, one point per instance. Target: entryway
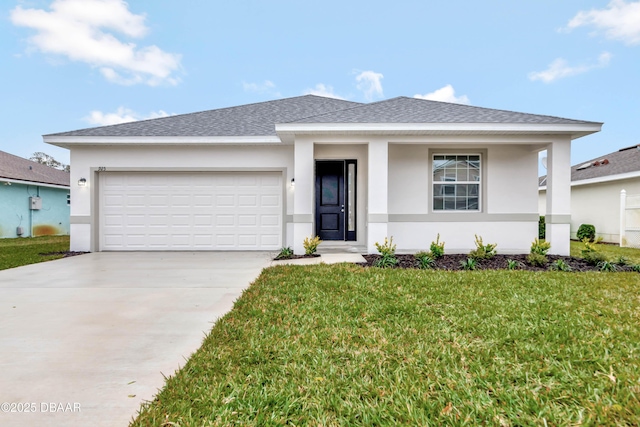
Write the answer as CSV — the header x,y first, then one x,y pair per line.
x,y
336,194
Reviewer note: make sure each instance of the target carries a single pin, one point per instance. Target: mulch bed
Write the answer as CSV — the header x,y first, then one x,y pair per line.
x,y
65,254
498,262
279,258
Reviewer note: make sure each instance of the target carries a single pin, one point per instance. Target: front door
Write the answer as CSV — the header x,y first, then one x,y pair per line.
x,y
335,197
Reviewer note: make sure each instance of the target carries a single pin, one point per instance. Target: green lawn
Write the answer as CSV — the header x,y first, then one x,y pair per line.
x,y
612,252
342,345
28,250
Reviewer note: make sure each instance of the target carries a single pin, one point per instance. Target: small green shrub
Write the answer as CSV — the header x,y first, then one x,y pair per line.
x,y
387,252
636,268
483,251
469,264
586,231
540,247
607,266
537,260
437,248
560,265
311,245
623,261
425,260
593,257
512,264
285,253
590,245
542,228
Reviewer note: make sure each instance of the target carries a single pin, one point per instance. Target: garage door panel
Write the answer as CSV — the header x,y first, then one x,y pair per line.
x,y
190,211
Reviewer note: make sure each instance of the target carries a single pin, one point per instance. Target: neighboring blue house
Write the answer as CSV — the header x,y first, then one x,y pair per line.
x,y
34,198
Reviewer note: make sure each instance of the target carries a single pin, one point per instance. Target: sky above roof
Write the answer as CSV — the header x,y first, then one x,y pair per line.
x,y
71,64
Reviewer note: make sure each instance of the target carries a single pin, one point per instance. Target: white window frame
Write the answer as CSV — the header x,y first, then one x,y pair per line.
x,y
479,182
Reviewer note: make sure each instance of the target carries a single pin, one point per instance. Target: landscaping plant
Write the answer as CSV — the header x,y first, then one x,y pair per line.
x,y
559,265
590,252
538,255
311,245
437,248
425,260
387,252
607,266
469,264
285,253
586,231
483,251
542,228
513,264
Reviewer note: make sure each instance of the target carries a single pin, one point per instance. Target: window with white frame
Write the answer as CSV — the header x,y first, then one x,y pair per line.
x,y
456,182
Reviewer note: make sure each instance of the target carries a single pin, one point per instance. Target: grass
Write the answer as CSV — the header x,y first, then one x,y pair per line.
x,y
342,345
612,252
28,250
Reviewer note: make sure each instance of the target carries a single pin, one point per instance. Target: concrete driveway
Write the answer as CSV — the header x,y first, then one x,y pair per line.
x,y
85,340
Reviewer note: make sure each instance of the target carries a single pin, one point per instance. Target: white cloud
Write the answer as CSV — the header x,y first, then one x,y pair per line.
x,y
369,83
266,87
322,90
445,94
560,68
619,21
83,31
122,115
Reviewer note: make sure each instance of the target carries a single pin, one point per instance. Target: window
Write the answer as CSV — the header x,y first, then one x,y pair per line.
x,y
456,182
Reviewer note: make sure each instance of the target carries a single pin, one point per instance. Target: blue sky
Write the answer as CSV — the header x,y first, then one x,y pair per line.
x,y
71,64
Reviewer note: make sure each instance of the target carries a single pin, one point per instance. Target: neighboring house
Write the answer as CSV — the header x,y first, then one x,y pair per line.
x,y
267,175
34,198
595,191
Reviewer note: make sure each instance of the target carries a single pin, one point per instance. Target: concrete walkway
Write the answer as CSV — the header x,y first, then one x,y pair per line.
x,y
85,340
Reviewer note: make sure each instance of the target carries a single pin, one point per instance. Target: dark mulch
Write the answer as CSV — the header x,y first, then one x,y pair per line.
x,y
65,254
498,262
279,258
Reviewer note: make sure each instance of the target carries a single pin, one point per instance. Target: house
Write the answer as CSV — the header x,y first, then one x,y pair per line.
x,y
34,198
595,191
267,175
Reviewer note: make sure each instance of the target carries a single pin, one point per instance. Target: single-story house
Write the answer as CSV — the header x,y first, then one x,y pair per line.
x,y
34,198
595,191
267,175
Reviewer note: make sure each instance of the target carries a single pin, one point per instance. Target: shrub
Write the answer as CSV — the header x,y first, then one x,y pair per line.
x,y
607,266
623,261
537,260
593,257
540,247
311,245
425,260
586,231
285,253
437,248
560,265
512,264
542,228
590,245
469,264
636,268
387,252
483,251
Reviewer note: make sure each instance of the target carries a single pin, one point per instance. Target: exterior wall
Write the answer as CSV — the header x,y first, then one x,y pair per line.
x,y
88,160
508,214
52,219
597,204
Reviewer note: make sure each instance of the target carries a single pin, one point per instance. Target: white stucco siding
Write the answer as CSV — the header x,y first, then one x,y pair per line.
x,y
597,204
87,160
512,179
459,237
409,179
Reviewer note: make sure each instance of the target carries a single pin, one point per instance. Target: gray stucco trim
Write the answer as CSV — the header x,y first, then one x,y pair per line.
x,y
288,219
464,217
302,218
80,219
557,219
378,218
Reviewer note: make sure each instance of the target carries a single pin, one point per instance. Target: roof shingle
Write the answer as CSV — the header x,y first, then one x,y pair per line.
x,y
14,167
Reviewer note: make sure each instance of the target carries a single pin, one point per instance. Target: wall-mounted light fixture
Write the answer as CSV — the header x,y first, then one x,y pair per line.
x,y
82,182
293,182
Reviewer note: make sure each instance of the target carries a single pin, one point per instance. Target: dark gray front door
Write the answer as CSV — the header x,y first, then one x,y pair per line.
x,y
330,200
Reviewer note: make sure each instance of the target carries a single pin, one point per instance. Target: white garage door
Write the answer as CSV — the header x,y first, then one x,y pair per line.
x,y
142,211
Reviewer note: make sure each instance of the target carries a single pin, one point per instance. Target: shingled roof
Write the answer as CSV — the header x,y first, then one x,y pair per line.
x,y
17,168
413,110
260,119
245,120
619,162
